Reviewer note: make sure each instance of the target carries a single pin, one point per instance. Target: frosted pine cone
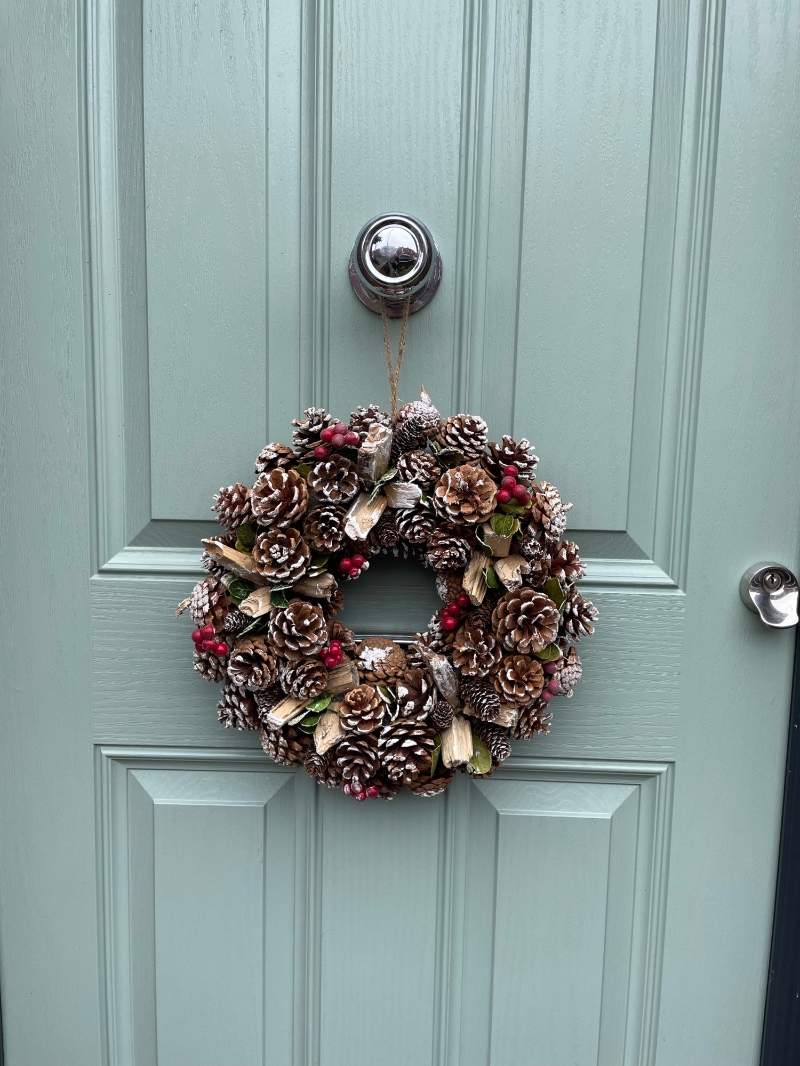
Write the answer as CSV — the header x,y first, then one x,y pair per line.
x,y
432,786
415,526
535,718
481,699
475,651
420,468
209,603
423,409
307,430
281,555
569,672
287,746
236,621
316,764
448,584
233,506
468,434
442,715
273,456
334,479
565,562
237,708
406,747
363,417
525,621
465,495
579,614
252,663
279,497
410,435
298,630
548,510
345,636
519,679
267,699
323,528
208,665
362,710
448,549
357,757
387,534
537,555
416,695
380,659
305,679
511,453
495,738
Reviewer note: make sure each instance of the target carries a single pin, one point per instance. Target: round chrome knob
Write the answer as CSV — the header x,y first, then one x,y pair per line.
x,y
395,257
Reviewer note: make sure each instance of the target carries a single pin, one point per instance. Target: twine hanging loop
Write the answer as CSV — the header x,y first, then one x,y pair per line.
x,y
392,367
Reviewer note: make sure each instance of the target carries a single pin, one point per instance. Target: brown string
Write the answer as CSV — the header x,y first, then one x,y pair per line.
x,y
394,371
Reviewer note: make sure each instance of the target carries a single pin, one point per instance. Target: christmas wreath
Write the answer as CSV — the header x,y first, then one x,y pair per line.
x,y
371,716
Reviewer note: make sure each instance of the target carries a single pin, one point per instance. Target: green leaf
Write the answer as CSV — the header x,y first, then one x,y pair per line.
x,y
554,590
390,475
504,525
437,751
239,590
319,564
309,723
492,580
246,537
304,469
548,654
258,625
481,761
278,598
513,508
451,457
320,704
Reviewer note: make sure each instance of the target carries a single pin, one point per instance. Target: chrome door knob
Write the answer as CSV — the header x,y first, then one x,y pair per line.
x,y
395,257
771,591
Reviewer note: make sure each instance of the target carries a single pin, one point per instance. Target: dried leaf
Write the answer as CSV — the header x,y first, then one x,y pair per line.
x,y
481,761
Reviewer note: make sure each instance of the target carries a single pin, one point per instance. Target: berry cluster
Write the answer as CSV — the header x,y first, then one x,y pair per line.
x,y
511,489
451,614
206,639
553,686
353,566
332,655
336,436
357,790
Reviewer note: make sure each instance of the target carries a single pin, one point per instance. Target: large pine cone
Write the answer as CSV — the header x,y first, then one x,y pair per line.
x,y
511,453
495,738
380,659
252,663
307,430
569,672
363,417
406,746
303,678
281,554
323,528
468,434
525,621
421,409
362,710
481,698
298,630
519,679
548,511
334,479
448,548
442,715
432,786
465,495
237,708
279,497
209,603
208,665
565,562
416,695
579,614
415,526
357,757
535,718
288,746
419,467
475,652
233,506
275,455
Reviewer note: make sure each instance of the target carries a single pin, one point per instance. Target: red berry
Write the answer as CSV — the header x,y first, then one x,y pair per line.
x,y
355,572
357,787
554,685
331,661
340,427
503,496
550,668
510,470
546,696
509,483
335,645
351,437
321,452
326,435
197,636
346,565
448,622
373,792
209,645
337,440
358,561
463,600
521,493
347,789
360,796
221,649
208,631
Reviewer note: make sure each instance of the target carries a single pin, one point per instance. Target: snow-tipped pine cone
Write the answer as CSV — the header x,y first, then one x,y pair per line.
x,y
496,739
415,526
252,663
362,710
465,495
579,615
548,511
275,455
481,698
279,497
305,679
334,479
323,528
467,434
232,505
419,467
565,562
363,417
406,747
357,757
448,548
209,603
288,746
475,651
518,679
525,621
569,672
298,630
237,708
306,431
509,452
281,555
380,660
416,695
532,719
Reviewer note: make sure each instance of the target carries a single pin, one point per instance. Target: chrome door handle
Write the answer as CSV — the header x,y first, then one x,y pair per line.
x,y
771,591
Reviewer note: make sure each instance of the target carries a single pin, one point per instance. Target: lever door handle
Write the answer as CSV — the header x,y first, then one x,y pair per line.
x,y
771,591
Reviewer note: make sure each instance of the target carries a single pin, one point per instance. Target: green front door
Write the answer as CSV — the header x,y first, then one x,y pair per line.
x,y
613,190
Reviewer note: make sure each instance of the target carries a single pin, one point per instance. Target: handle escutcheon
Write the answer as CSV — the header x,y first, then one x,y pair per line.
x,y
771,591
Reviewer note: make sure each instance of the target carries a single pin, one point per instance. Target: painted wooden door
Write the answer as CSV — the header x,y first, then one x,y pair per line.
x,y
613,188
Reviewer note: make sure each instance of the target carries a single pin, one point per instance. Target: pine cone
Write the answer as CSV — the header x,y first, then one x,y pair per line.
x,y
279,497
267,699
208,665
448,548
525,621
209,603
420,468
480,697
449,584
548,510
345,636
481,617
304,679
435,639
579,615
519,679
334,479
496,740
432,786
307,430
237,708
281,554
273,456
211,566
465,495
363,417
334,603
422,409
442,715
236,621
316,764
233,506
468,434
510,453
287,746
298,630
252,663
357,757
415,526
386,532
537,555
565,562
323,528
405,747
362,710
475,652
535,718
410,435
569,672
380,659
416,695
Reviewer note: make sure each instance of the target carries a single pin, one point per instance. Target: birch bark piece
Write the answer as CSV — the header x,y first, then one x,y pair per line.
x,y
474,580
363,515
318,588
457,743
497,545
444,676
375,453
238,562
402,495
511,570
257,603
328,732
342,679
288,711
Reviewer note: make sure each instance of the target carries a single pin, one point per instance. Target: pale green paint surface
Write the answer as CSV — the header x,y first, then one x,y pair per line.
x,y
612,191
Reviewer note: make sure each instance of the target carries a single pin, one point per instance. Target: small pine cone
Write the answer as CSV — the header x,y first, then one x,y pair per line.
x,y
388,789
210,566
330,774
252,663
307,430
496,740
481,617
323,528
316,764
465,495
345,636
233,506
237,708
519,679
442,715
357,757
386,532
419,467
334,603
367,547
405,747
468,434
537,555
511,453
535,718
363,417
362,710
416,695
288,746
565,562
434,639
334,479
298,630
379,660
475,651
525,621
281,554
279,497
415,526
236,621
432,786
481,699
569,672
448,548
579,614
208,665
421,409
267,699
548,510
275,455
209,603
410,435
449,584
305,679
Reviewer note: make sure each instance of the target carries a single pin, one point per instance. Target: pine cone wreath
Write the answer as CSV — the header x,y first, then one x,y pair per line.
x,y
281,555
237,708
465,495
208,665
209,603
481,699
519,679
406,747
306,432
568,672
334,479
236,621
548,510
416,695
535,718
362,710
357,757
288,746
467,434
416,527
565,562
525,621
273,456
364,417
448,548
579,614
432,786
419,467
511,453
305,679
323,528
380,660
298,630
252,663
496,739
279,497
233,506
475,651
